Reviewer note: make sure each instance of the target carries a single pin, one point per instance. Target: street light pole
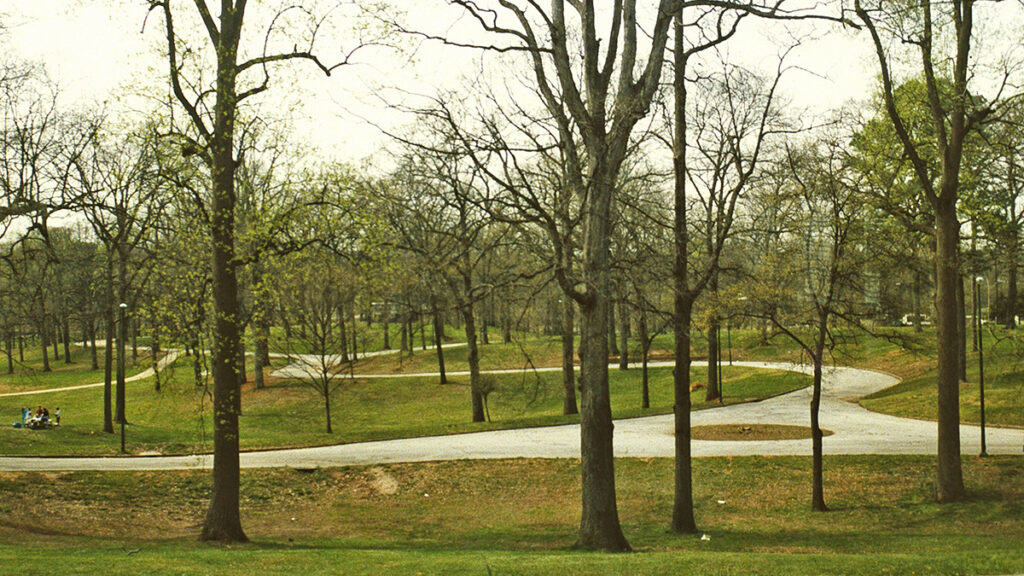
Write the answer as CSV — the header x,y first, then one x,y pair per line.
x,y
981,363
121,334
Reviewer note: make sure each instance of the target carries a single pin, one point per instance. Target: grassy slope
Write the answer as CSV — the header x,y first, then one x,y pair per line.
x,y
520,517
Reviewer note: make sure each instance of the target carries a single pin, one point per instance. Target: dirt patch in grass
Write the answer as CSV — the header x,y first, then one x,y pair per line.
x,y
752,432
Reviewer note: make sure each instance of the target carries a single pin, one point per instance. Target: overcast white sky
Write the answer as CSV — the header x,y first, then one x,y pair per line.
x,y
96,48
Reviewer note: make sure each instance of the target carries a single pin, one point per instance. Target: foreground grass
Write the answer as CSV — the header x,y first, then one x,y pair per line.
x,y
288,414
520,517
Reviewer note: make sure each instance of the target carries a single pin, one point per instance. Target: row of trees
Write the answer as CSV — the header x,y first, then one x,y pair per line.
x,y
614,193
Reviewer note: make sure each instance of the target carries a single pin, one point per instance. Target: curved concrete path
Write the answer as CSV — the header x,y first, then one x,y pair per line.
x,y
171,356
857,431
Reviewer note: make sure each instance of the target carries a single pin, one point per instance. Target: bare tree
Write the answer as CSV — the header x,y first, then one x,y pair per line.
x,y
919,26
211,135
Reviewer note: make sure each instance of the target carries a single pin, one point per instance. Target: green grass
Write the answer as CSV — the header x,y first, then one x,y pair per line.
x,y
521,517
288,414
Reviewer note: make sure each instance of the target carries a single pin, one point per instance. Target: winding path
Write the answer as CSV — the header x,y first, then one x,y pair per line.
x,y
171,356
856,431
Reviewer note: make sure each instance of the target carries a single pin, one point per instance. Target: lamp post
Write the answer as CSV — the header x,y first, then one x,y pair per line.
x,y
981,360
121,334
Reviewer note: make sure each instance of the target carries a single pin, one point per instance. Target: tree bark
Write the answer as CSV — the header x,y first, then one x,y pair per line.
x,y
9,344
683,521
1010,321
599,525
645,349
108,363
223,520
623,336
438,339
122,334
613,345
818,490
342,333
67,341
950,475
569,357
474,356
92,340
961,326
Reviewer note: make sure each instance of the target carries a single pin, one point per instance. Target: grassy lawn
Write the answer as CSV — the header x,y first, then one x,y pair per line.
x,y
521,517
288,414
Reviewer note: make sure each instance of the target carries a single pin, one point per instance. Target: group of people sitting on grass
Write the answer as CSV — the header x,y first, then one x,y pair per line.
x,y
38,419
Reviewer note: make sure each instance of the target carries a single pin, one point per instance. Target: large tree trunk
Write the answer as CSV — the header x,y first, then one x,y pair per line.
x,y
950,476
599,525
223,520
682,508
569,357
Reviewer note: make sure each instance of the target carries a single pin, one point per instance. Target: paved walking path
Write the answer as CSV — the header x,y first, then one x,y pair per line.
x,y
857,431
171,356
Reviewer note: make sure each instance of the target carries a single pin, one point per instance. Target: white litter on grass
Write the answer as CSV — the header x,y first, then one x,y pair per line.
x,y
721,501
425,495
705,538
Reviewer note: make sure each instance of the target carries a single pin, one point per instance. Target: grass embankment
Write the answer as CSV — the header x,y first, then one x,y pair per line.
x,y
520,517
178,419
